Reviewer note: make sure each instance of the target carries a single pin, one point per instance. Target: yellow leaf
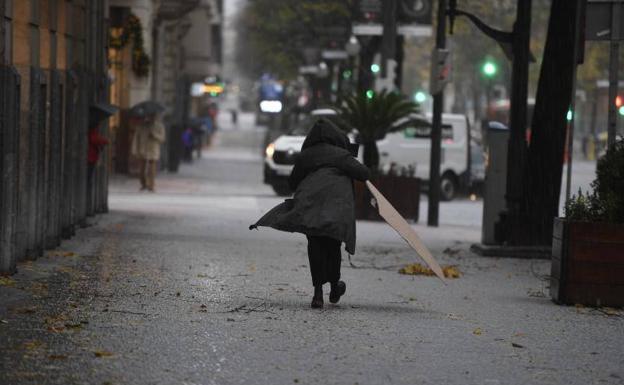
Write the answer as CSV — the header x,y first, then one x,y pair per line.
x,y
477,332
450,271
6,281
32,345
102,353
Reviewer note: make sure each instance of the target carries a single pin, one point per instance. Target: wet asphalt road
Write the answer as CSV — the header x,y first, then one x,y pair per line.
x,y
171,288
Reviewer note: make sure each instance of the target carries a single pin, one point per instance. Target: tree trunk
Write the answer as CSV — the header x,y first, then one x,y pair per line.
x,y
371,156
542,177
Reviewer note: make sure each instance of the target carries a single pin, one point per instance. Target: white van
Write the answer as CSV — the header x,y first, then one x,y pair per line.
x,y
406,149
410,149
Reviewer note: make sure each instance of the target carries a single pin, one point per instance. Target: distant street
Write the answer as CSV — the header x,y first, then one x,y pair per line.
x,y
172,288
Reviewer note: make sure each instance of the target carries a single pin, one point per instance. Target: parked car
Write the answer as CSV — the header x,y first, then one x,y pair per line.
x,y
406,149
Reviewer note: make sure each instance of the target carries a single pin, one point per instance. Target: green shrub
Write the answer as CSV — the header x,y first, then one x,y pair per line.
x,y
606,202
609,183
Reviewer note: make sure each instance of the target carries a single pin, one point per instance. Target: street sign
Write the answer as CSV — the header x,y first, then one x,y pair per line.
x,y
440,70
598,21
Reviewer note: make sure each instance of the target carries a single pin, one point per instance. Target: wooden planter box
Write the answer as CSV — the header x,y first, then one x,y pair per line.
x,y
402,192
587,264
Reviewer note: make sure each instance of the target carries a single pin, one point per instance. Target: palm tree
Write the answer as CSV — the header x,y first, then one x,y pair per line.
x,y
374,116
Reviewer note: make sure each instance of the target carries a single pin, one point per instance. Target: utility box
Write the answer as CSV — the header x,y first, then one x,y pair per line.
x,y
495,185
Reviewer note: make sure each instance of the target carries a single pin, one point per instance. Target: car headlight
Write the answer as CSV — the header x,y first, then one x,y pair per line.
x,y
271,106
270,150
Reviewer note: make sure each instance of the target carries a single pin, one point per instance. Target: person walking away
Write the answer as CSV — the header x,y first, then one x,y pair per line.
x,y
323,205
199,129
188,141
148,137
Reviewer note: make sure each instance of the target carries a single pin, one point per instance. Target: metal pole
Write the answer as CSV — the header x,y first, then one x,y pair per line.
x,y
436,129
613,71
517,147
577,25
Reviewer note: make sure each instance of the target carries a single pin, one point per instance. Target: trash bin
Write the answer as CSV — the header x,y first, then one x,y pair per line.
x,y
495,185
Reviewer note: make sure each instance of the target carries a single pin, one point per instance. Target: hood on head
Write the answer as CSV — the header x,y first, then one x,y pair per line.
x,y
324,131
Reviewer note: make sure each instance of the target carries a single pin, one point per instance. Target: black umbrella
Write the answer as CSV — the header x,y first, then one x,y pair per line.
x,y
146,108
99,112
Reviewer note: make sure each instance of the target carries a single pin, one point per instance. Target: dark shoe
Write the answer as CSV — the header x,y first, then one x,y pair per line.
x,y
317,303
337,290
317,300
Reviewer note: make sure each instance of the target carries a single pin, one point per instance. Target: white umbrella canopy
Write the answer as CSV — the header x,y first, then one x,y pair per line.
x,y
400,225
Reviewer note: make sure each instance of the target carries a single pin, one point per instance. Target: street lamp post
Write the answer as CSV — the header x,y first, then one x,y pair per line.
x,y
353,48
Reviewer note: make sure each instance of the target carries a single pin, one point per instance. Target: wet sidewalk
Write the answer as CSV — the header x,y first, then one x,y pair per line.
x,y
171,288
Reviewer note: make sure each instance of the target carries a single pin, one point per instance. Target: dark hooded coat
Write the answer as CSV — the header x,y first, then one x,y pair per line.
x,y
323,203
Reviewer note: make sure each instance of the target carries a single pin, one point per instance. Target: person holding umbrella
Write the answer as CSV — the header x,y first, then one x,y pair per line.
x,y
148,137
323,206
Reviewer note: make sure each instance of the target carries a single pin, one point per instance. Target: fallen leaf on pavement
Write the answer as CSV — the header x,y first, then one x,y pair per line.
x,y
102,353
32,345
477,332
450,271
24,310
7,281
73,326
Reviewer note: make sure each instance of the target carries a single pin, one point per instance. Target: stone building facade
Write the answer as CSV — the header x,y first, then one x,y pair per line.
x,y
52,67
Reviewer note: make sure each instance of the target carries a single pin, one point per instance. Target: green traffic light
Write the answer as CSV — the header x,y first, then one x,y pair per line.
x,y
370,94
375,68
489,68
569,115
420,97
621,110
347,74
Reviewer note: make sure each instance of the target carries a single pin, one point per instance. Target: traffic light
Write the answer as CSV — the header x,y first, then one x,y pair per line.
x,y
375,68
619,104
370,94
489,68
414,12
569,115
420,97
441,71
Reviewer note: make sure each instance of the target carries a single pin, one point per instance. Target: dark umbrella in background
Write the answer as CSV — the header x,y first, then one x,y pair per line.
x,y
146,108
99,112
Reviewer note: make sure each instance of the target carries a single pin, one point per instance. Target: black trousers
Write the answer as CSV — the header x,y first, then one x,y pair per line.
x,y
325,258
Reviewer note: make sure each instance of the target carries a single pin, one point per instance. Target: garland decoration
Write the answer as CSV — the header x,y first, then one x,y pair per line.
x,y
132,30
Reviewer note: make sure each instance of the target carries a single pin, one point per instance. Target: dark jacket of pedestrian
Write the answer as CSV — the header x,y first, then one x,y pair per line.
x,y
323,203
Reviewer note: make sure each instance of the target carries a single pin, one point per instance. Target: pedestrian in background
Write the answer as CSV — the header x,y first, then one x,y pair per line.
x,y
323,206
148,137
188,141
96,143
